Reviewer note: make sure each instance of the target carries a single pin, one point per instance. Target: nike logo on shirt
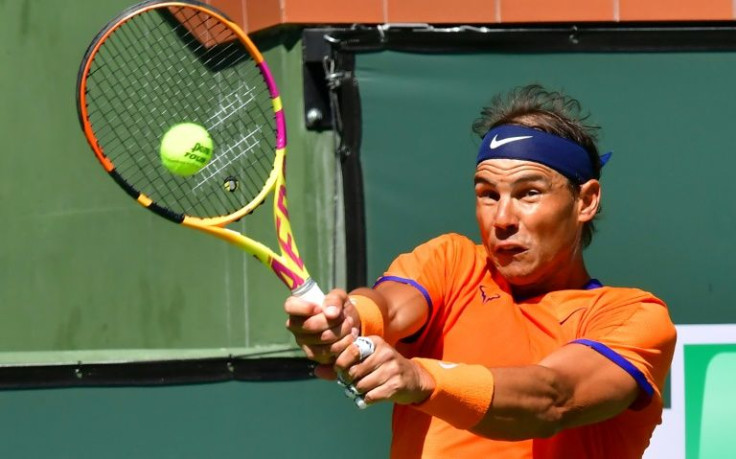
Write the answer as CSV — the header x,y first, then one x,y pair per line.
x,y
572,313
484,296
495,142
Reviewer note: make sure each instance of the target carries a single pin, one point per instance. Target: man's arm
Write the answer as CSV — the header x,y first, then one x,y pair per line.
x,y
573,386
402,307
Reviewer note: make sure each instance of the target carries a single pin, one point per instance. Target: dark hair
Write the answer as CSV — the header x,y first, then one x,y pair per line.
x,y
549,111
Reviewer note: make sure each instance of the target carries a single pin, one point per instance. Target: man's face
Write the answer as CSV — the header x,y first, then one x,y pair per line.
x,y
530,221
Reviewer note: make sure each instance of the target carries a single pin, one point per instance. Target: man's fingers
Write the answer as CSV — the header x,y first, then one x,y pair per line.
x,y
326,353
322,336
355,361
334,304
319,354
316,323
297,324
297,307
347,358
325,372
329,336
331,307
322,329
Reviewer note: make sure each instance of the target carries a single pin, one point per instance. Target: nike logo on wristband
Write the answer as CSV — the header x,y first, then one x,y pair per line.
x,y
495,142
447,366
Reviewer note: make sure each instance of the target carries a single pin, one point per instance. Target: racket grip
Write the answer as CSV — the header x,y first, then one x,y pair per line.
x,y
310,291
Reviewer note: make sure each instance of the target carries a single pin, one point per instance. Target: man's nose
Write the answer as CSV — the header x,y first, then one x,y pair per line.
x,y
506,217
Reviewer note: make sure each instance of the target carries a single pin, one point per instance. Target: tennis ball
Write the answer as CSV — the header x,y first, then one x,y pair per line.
x,y
186,148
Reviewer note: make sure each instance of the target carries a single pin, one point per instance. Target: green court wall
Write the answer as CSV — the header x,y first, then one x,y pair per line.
x,y
239,420
666,224
85,268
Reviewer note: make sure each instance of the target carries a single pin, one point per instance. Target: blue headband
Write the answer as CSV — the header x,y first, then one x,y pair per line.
x,y
519,142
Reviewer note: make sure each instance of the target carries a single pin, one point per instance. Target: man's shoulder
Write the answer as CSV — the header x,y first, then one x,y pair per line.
x,y
454,256
619,305
605,295
442,253
627,295
614,303
454,241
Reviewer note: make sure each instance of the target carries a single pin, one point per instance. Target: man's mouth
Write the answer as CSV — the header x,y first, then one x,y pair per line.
x,y
508,249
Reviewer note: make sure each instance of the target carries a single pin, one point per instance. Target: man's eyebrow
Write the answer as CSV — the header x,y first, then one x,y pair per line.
x,y
532,178
480,180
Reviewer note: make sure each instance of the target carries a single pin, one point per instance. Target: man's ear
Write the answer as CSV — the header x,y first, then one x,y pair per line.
x,y
589,200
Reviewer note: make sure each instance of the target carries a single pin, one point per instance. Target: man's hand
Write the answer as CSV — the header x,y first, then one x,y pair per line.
x,y
384,375
323,331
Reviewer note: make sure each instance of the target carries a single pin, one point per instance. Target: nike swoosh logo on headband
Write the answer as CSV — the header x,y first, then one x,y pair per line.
x,y
495,143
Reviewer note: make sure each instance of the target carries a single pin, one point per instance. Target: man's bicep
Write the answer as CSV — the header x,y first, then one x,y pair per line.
x,y
406,309
598,386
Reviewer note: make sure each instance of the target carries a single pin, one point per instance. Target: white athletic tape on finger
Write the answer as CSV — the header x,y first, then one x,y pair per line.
x,y
365,346
352,393
360,403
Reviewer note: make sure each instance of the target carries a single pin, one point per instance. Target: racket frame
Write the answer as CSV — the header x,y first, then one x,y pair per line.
x,y
288,265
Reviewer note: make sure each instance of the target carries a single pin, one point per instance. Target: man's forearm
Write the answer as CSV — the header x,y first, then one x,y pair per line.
x,y
528,402
400,308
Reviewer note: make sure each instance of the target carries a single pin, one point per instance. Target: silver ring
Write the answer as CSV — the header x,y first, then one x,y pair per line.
x,y
365,346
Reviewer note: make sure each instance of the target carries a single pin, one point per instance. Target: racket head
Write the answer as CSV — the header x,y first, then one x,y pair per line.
x,y
161,63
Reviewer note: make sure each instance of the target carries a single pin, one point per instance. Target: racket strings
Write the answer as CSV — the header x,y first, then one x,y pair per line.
x,y
180,67
238,98
133,130
152,73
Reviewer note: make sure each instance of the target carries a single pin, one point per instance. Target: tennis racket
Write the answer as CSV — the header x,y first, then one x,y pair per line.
x,y
163,63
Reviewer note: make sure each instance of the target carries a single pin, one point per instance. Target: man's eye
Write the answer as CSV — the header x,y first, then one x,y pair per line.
x,y
487,195
532,193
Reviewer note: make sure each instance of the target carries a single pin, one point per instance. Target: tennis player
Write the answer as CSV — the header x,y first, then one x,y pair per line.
x,y
509,348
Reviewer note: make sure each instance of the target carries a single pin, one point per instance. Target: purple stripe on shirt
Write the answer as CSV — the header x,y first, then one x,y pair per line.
x,y
627,366
422,290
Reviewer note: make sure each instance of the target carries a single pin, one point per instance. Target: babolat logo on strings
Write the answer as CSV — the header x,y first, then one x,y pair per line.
x,y
199,148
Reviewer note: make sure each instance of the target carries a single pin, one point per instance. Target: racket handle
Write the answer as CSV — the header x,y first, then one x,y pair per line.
x,y
311,292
